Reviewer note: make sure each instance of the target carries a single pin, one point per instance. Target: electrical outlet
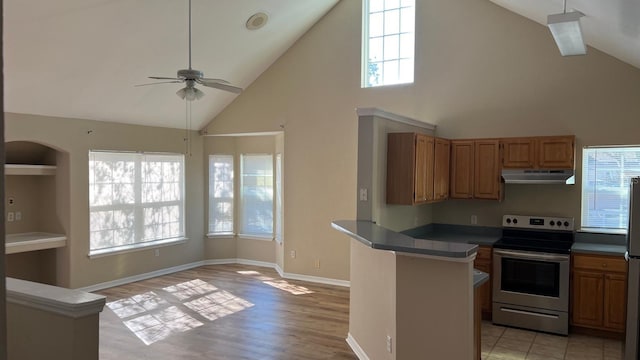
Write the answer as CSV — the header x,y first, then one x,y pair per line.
x,y
11,200
364,196
10,217
389,344
156,252
18,215
293,254
474,219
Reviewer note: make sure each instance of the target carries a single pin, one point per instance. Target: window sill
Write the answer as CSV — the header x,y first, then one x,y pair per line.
x,y
136,247
255,237
602,231
221,236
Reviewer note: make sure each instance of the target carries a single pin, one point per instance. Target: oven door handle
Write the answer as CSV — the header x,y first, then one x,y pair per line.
x,y
532,256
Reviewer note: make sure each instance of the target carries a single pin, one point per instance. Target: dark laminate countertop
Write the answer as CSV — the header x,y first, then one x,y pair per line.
x,y
378,237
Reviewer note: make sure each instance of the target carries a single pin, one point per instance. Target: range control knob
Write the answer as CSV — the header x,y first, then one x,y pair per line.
x,y
508,220
552,223
515,221
566,224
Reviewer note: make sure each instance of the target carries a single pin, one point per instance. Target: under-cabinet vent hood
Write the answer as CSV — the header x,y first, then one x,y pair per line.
x,y
538,176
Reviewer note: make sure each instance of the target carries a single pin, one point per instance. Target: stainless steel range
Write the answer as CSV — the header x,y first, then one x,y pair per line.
x,y
531,273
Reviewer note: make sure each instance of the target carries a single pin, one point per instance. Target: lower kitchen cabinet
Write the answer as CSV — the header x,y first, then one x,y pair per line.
x,y
483,263
598,292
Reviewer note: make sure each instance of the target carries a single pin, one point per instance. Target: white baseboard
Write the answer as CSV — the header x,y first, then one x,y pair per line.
x,y
149,275
353,344
145,276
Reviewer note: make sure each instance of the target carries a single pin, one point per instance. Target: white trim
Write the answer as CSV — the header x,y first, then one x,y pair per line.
x,y
316,279
137,247
139,277
353,344
255,237
395,117
221,236
204,132
152,274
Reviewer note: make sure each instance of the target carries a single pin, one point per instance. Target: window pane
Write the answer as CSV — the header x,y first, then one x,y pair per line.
x,y
375,49
376,5
391,72
279,198
391,4
406,46
392,22
406,71
257,194
606,176
376,25
119,185
391,47
404,3
407,20
221,194
375,74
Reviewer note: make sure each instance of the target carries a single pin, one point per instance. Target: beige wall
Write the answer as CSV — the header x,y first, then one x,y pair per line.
x,y
498,75
75,138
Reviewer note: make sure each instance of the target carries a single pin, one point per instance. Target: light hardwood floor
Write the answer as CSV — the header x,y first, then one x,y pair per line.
x,y
225,312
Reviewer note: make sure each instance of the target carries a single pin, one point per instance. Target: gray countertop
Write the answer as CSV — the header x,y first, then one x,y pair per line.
x,y
598,249
479,277
479,235
378,237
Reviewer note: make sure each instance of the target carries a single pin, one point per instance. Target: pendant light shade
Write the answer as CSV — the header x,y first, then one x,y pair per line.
x,y
567,33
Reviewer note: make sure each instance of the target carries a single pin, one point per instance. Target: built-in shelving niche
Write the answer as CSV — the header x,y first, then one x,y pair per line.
x,y
33,176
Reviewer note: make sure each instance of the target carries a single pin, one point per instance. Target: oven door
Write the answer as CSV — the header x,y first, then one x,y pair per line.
x,y
532,279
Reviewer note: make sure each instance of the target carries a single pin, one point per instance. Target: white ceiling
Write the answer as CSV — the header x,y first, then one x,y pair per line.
x,y
82,58
611,26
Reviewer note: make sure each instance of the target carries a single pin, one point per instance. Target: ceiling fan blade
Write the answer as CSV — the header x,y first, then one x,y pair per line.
x,y
220,86
221,81
163,78
161,82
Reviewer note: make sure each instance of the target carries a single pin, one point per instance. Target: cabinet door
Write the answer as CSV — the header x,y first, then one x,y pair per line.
x,y
518,153
430,169
461,184
556,152
441,169
615,296
401,162
484,291
588,296
487,169
420,190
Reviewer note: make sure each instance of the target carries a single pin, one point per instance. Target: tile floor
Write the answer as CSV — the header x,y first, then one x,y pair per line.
x,y
500,342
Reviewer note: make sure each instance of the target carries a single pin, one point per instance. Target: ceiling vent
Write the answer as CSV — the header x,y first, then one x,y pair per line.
x,y
257,20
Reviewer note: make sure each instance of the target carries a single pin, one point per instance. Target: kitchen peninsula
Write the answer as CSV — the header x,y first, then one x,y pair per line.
x,y
410,298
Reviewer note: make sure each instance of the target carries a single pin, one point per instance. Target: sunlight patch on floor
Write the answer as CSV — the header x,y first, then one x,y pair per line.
x,y
278,284
152,318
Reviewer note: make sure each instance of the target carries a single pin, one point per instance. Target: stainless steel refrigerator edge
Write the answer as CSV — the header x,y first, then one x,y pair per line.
x,y
633,279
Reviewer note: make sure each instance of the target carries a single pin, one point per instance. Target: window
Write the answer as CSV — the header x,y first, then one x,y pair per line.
x,y
220,194
135,200
388,42
279,212
605,185
257,195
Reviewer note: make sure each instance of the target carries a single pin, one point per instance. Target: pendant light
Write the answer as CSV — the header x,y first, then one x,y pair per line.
x,y
566,31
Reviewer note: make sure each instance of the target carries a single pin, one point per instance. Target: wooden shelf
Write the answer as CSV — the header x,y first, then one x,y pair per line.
x,y
24,169
16,243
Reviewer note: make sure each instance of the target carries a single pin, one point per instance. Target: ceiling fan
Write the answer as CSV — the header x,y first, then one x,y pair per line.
x,y
190,77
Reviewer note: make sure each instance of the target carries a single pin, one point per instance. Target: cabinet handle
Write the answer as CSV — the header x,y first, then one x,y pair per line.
x,y
604,265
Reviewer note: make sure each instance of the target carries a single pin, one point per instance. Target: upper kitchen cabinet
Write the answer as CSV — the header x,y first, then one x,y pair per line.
x,y
548,152
417,166
475,169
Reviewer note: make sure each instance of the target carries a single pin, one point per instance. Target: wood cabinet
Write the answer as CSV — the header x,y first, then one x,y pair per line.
x,y
483,263
598,292
544,152
417,168
475,169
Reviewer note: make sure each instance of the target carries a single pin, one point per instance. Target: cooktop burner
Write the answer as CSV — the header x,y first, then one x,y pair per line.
x,y
539,234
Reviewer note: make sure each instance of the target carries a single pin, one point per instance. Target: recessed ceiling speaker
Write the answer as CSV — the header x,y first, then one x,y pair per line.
x,y
257,20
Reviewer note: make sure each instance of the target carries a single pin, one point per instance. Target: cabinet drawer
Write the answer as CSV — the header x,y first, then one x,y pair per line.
x,y
484,253
599,262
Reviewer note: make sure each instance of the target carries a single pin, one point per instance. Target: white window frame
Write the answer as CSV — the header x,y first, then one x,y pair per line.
x,y
241,207
404,57
279,200
607,185
229,159
139,205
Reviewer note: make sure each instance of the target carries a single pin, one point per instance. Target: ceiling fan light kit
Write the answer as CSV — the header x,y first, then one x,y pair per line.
x,y
566,31
257,21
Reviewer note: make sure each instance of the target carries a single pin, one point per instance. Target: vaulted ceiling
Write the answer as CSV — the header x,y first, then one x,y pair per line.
x,y
82,58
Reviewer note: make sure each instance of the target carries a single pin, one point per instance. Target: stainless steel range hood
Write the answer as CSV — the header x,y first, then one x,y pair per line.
x,y
538,176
